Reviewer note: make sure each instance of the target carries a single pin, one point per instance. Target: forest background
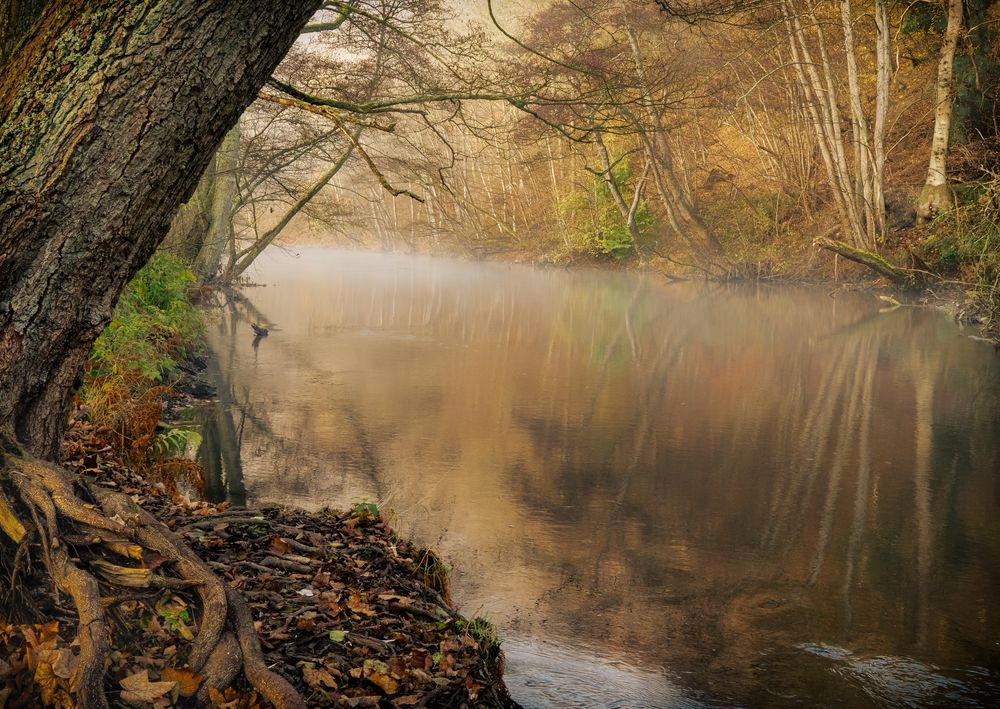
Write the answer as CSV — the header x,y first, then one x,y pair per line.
x,y
724,140
718,139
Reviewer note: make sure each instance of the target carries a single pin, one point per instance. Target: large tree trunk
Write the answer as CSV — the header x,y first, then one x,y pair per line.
x,y
16,18
935,195
113,110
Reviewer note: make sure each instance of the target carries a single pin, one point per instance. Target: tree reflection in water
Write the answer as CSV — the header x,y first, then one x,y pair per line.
x,y
701,479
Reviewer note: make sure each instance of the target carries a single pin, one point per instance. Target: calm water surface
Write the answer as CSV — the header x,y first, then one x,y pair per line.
x,y
663,495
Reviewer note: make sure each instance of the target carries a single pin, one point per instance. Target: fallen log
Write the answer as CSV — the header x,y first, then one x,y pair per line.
x,y
904,277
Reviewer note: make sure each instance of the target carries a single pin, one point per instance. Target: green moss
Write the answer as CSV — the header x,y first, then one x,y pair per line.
x,y
435,572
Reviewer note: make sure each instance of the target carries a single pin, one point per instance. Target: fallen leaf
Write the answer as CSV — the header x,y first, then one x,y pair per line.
x,y
472,688
338,636
318,678
447,662
187,680
220,701
377,672
139,690
307,621
49,684
65,664
358,605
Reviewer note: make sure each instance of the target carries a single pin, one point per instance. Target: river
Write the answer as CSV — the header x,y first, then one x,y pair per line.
x,y
664,495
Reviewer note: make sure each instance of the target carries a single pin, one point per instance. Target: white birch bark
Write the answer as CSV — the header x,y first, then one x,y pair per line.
x,y
935,195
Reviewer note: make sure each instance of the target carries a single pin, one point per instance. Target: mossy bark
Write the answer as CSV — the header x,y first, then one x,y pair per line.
x,y
933,200
899,276
16,19
112,111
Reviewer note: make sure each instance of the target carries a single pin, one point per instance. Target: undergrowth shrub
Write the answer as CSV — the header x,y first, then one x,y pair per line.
x,y
154,323
762,233
591,222
129,372
965,243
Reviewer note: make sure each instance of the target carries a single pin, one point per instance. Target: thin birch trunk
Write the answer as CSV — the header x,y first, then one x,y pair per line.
x,y
883,59
826,125
863,188
935,196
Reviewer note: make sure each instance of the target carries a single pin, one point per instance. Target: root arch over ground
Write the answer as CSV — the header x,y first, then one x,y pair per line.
x,y
92,541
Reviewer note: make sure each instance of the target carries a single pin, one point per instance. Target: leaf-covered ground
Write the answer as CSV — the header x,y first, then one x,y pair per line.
x,y
345,609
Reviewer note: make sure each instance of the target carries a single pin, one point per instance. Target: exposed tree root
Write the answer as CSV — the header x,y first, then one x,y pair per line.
x,y
93,633
222,666
41,510
272,685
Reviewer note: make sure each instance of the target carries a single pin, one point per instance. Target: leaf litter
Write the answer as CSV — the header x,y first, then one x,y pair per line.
x,y
350,613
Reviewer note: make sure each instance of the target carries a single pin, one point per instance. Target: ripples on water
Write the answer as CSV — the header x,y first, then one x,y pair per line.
x,y
903,682
663,495
546,674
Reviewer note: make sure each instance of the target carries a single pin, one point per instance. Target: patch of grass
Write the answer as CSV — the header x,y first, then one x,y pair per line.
x,y
485,634
435,572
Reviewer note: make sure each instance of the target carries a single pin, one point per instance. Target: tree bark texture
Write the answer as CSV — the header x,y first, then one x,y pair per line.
x,y
112,110
935,195
16,18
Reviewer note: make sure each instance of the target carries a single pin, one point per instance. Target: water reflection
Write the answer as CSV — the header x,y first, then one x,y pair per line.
x,y
700,479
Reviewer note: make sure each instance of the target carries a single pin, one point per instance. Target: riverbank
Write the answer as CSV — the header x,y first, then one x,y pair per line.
x,y
969,304
953,260
351,614
347,611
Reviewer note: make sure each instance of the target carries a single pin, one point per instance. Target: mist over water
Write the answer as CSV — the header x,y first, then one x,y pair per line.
x,y
663,495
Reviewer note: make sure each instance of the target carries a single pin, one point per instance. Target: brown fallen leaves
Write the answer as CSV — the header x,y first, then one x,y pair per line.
x,y
138,691
342,607
350,618
36,653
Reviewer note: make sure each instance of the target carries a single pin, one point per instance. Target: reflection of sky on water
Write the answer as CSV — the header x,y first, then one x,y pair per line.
x,y
688,477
